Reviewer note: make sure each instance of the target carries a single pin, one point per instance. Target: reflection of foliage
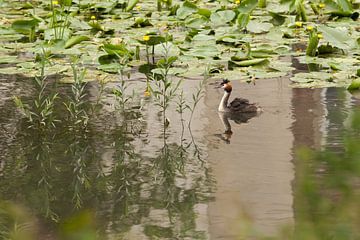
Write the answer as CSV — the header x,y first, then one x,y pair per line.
x,y
327,204
15,223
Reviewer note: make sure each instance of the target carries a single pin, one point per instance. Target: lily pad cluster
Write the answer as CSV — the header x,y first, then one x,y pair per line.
x,y
240,39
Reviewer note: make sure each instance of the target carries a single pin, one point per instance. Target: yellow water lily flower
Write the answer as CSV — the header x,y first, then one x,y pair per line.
x,y
146,38
55,2
309,28
298,24
322,5
237,1
147,93
320,36
92,17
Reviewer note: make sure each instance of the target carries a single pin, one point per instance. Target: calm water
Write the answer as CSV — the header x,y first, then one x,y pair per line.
x,y
128,178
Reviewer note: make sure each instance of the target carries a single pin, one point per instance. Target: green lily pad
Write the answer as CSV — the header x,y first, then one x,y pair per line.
x,y
311,77
337,37
355,84
256,26
196,21
75,40
110,68
251,62
186,9
24,26
9,59
222,17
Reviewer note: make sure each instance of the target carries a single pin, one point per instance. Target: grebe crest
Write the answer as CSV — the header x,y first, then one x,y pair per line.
x,y
238,105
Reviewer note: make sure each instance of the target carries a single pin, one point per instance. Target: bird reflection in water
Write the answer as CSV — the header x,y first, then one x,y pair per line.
x,y
238,118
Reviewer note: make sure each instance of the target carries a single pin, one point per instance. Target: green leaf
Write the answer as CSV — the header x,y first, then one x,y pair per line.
x,y
256,26
337,37
186,10
8,59
252,62
313,44
117,49
345,5
204,12
131,5
222,17
196,21
110,68
277,19
243,20
355,84
247,6
75,40
24,26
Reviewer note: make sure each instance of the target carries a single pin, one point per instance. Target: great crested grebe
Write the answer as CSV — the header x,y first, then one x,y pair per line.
x,y
238,105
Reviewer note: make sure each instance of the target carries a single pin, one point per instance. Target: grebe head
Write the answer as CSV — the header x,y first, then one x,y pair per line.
x,y
226,85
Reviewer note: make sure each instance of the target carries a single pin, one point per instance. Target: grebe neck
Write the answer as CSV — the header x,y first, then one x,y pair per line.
x,y
223,106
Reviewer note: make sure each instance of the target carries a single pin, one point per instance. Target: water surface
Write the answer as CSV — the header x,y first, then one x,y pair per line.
x,y
133,179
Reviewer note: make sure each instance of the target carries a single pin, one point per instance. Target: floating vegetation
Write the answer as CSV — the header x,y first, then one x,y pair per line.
x,y
200,33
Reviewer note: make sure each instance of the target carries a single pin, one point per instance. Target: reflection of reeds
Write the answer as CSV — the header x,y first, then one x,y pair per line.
x,y
40,113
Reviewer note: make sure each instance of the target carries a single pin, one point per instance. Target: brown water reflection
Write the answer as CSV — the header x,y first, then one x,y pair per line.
x,y
256,172
142,182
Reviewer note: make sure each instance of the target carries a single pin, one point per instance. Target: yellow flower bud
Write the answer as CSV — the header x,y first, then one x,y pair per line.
x,y
55,2
147,93
92,17
320,36
146,38
237,1
309,28
298,24
321,5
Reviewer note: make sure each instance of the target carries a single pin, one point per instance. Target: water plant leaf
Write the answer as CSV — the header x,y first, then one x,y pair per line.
x,y
247,6
251,62
203,51
117,49
24,26
75,40
131,4
256,26
313,44
186,9
243,20
337,37
311,77
196,21
153,40
110,68
222,17
345,5
204,12
277,19
8,59
355,84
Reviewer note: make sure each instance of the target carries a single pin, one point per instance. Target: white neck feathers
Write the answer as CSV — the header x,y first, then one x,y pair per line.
x,y
223,106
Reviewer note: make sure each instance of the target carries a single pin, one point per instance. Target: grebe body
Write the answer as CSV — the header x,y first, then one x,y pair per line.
x,y
238,105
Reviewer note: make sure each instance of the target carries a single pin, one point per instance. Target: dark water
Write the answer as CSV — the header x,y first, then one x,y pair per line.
x,y
121,175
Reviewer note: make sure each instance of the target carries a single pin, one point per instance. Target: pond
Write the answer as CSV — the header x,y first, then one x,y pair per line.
x,y
124,174
110,127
